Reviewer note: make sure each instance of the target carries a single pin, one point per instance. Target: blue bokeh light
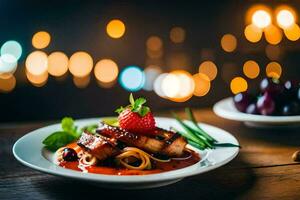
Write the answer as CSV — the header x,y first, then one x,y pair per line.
x,y
13,48
132,78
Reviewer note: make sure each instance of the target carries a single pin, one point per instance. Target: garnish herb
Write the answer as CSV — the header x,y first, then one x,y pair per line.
x,y
196,136
135,106
59,139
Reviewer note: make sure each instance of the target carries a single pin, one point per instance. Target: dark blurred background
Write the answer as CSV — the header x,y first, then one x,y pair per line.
x,y
81,26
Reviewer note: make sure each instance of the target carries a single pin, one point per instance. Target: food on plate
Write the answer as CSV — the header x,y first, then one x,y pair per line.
x,y
274,98
130,144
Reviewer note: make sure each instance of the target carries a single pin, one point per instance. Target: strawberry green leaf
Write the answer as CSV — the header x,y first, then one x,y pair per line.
x,y
119,110
139,102
131,99
144,110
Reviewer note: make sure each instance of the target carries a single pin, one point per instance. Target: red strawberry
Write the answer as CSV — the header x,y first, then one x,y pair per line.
x,y
136,118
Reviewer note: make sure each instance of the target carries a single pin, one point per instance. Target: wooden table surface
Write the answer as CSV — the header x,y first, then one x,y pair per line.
x,y
263,169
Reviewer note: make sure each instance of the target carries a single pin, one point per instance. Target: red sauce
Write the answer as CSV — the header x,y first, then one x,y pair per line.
x,y
115,170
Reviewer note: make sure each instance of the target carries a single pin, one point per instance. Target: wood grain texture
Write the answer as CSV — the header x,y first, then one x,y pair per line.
x,y
263,170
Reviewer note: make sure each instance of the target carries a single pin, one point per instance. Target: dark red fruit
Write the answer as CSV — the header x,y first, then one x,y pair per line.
x,y
265,104
252,109
242,101
69,154
292,108
272,86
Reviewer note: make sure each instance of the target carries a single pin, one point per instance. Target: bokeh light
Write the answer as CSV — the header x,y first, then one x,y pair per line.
x,y
115,28
154,43
202,84
293,32
12,48
228,42
209,68
81,64
81,82
157,85
106,71
285,18
151,73
273,52
177,35
57,63
132,78
273,34
7,84
41,39
253,33
273,70
178,86
253,9
170,85
238,84
8,64
261,19
37,63
37,80
251,69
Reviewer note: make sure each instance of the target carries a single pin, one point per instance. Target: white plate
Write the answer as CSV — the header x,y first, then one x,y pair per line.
x,y
30,152
226,109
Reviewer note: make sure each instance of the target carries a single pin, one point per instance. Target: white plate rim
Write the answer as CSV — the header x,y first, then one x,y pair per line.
x,y
165,176
225,109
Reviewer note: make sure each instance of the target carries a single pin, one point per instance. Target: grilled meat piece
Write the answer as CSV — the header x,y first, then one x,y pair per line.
x,y
98,146
170,143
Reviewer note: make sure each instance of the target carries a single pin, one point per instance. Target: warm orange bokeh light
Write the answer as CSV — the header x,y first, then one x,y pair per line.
x,y
228,42
253,9
209,68
57,63
202,84
81,82
37,63
285,16
154,43
7,84
253,33
81,64
177,35
6,75
251,69
273,34
115,28
261,18
273,70
292,33
178,86
238,84
37,80
41,39
106,71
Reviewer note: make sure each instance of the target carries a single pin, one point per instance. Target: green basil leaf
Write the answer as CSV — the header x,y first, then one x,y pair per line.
x,y
58,139
67,125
